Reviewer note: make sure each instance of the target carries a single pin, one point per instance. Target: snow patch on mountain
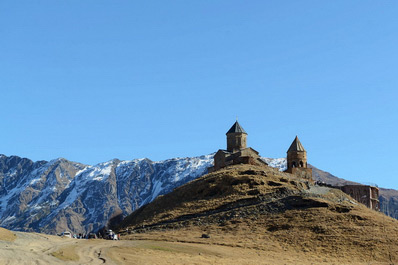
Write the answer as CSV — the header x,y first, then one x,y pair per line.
x,y
279,163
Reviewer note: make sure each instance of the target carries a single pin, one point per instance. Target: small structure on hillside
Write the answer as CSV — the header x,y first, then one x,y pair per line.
x,y
365,194
237,151
297,160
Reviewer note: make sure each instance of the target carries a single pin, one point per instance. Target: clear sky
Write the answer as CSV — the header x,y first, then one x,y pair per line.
x,y
95,80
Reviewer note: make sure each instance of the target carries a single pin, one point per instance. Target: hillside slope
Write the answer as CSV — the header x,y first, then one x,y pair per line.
x,y
262,208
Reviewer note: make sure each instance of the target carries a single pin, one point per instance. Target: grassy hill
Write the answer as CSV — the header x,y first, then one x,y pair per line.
x,y
262,209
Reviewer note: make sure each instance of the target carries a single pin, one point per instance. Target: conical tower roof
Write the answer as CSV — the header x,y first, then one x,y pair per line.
x,y
236,128
296,146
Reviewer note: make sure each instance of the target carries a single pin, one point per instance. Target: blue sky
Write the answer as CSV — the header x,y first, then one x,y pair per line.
x,y
96,80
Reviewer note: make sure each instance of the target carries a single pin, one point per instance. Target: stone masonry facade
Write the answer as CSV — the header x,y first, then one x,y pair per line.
x,y
365,194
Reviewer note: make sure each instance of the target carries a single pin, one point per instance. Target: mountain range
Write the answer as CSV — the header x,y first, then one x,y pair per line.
x,y
58,195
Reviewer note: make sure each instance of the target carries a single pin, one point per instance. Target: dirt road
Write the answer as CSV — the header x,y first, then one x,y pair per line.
x,y
41,249
31,248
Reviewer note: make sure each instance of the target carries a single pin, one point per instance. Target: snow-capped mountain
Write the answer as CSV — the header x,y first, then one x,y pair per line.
x,y
60,195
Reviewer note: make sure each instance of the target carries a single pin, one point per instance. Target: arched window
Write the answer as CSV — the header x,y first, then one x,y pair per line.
x,y
294,164
301,164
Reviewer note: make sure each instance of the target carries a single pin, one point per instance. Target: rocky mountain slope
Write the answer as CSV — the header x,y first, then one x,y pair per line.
x,y
62,195
261,208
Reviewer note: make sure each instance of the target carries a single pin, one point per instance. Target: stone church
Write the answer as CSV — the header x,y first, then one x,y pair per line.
x,y
237,151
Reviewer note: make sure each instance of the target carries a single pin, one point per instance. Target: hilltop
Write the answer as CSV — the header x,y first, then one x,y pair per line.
x,y
262,209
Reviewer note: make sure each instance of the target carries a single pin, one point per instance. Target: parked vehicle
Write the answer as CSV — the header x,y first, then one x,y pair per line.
x,y
110,235
66,234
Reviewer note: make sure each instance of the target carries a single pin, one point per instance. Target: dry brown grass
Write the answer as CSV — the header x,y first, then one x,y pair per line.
x,y
6,235
259,209
214,191
66,253
155,252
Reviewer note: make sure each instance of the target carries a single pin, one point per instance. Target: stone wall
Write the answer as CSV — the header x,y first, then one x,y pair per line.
x,y
365,194
245,156
297,157
300,172
236,141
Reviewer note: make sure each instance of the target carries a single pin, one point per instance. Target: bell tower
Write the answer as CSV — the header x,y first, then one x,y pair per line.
x,y
296,155
236,138
297,161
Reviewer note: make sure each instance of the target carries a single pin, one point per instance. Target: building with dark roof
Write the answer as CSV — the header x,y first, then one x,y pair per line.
x,y
237,151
